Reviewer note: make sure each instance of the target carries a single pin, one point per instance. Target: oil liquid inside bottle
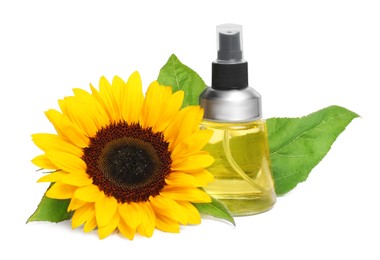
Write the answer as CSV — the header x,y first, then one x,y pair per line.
x,y
242,175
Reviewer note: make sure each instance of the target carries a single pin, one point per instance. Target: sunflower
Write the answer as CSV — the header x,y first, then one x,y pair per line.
x,y
126,163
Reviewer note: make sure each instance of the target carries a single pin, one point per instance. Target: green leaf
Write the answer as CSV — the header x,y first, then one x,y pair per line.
x,y
52,210
215,209
181,77
297,145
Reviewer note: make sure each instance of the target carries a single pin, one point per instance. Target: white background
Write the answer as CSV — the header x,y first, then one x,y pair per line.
x,y
303,56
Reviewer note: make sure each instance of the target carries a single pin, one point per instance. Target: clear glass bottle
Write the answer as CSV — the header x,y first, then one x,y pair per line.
x,y
243,178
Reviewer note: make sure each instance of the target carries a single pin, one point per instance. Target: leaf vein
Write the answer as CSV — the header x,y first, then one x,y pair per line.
x,y
293,156
175,74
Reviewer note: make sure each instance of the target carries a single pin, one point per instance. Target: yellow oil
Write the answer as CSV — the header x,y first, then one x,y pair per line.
x,y
242,175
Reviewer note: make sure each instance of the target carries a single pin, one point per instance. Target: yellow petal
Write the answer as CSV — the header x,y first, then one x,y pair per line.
x,y
117,87
77,179
148,219
80,93
61,191
90,225
48,142
83,214
190,122
80,115
193,163
185,194
96,94
67,129
75,204
67,162
155,101
43,162
129,215
179,179
107,96
89,193
173,129
53,177
199,178
125,230
202,178
106,209
192,143
133,99
168,208
166,224
105,231
63,107
170,110
185,124
94,107
193,216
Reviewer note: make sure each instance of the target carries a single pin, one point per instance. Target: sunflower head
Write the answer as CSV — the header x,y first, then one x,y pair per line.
x,y
126,162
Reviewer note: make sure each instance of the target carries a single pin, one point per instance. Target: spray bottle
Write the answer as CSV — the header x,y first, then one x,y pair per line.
x,y
242,174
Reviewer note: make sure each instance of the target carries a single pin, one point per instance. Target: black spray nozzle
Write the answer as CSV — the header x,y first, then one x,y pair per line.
x,y
229,71
230,48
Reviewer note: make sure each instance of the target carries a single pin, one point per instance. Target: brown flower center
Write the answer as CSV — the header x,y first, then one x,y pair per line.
x,y
128,162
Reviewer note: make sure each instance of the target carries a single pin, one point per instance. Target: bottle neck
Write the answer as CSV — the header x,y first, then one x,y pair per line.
x,y
234,105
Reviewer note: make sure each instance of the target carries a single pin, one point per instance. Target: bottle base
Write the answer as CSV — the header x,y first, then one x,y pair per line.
x,y
240,198
248,205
